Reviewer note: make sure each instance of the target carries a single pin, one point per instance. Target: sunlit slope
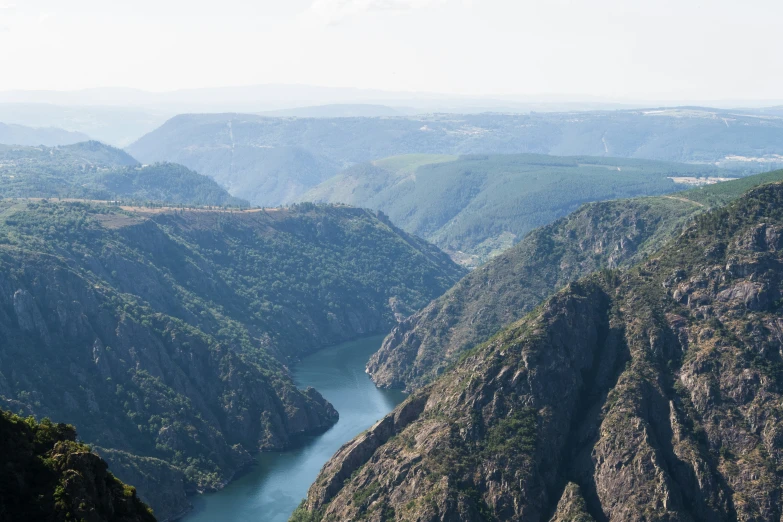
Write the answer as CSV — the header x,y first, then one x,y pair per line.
x,y
480,205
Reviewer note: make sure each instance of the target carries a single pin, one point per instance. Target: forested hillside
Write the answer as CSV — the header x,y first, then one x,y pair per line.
x,y
165,335
92,170
649,394
599,235
275,160
48,476
477,206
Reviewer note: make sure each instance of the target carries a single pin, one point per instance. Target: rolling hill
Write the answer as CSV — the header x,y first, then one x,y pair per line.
x,y
92,170
47,136
116,125
476,206
235,149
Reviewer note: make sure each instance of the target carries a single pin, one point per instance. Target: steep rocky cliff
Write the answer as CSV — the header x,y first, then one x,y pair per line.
x,y
614,233
599,235
164,335
651,394
46,476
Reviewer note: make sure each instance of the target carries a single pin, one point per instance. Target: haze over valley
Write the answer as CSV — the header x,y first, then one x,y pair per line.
x,y
391,260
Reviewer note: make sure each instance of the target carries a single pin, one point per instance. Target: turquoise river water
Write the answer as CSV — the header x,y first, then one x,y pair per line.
x,y
272,489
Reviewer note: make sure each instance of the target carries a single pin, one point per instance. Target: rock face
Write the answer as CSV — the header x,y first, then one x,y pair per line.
x,y
165,336
607,234
572,507
163,484
46,475
600,235
651,394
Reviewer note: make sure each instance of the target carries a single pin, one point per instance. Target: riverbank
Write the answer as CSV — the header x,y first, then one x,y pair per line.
x,y
273,487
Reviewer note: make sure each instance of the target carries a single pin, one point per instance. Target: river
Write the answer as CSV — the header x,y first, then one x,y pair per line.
x,y
273,488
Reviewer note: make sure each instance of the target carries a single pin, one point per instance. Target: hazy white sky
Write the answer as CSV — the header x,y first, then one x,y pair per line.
x,y
652,49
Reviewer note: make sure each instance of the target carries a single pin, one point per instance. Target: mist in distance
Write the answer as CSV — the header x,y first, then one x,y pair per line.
x,y
415,54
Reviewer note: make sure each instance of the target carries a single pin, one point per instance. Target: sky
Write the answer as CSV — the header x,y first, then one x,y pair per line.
x,y
609,49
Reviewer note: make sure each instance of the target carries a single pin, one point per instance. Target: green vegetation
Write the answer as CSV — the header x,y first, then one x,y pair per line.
x,y
722,193
477,206
166,334
608,234
271,161
652,389
409,163
513,433
302,514
48,476
95,171
361,496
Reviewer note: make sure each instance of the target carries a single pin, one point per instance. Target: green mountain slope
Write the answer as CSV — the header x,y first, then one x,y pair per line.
x,y
656,391
92,170
238,150
164,335
600,235
480,205
45,475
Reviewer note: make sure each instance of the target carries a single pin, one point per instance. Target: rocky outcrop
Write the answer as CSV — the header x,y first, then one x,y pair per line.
x,y
354,454
46,475
147,385
571,507
651,394
607,234
163,484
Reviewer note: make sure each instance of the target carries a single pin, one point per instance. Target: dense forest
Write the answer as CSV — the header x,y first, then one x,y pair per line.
x,y
165,335
475,207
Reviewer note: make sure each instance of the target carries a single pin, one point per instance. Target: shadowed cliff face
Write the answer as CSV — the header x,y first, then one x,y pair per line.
x,y
47,475
164,337
609,234
653,394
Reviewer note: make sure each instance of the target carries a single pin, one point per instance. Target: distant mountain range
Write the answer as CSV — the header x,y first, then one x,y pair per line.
x,y
32,136
272,160
119,116
118,126
92,170
256,98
